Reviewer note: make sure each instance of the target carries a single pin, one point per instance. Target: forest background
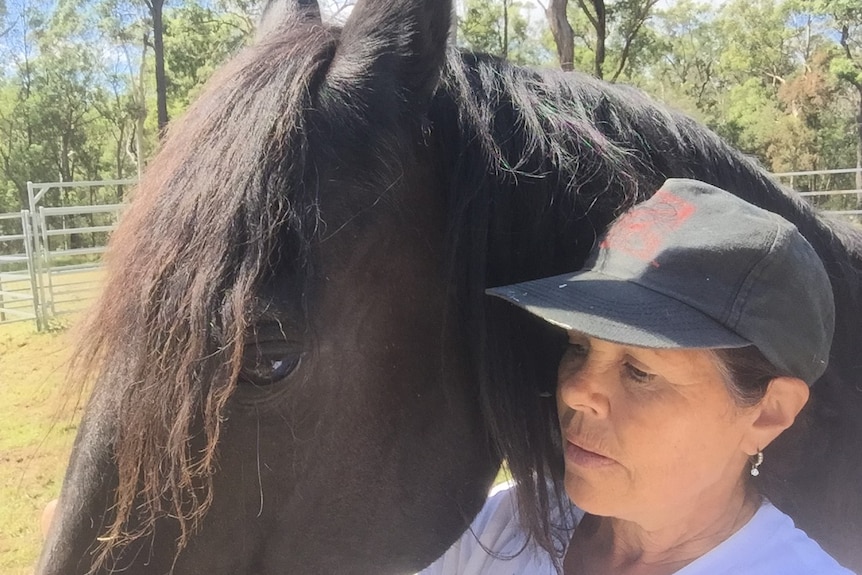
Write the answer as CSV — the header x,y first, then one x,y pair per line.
x,y
87,86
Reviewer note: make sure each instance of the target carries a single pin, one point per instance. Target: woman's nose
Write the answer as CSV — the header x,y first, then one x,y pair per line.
x,y
582,385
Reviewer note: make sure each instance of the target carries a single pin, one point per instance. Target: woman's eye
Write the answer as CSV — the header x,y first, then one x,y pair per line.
x,y
638,375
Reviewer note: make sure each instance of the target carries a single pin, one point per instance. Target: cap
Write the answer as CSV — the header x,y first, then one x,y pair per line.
x,y
696,267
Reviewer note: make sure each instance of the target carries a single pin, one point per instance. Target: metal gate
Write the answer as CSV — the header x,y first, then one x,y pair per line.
x,y
50,256
18,286
68,242
68,271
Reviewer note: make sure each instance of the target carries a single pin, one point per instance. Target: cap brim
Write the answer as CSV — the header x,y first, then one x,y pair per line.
x,y
620,311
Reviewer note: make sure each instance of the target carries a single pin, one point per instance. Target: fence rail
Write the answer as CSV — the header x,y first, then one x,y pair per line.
x,y
838,192
17,287
50,256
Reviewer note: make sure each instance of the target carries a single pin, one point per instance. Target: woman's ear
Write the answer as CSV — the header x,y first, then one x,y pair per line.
x,y
784,399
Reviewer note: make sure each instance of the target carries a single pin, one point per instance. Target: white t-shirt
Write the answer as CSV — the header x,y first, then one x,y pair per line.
x,y
769,544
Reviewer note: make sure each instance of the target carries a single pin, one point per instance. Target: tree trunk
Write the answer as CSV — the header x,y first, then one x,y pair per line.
x,y
601,35
65,172
598,19
159,52
119,155
564,36
139,145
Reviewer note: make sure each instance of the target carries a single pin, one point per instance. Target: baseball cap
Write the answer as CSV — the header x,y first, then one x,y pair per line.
x,y
696,267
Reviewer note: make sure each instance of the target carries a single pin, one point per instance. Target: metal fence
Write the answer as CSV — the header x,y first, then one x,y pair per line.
x,y
50,256
17,275
68,272
837,192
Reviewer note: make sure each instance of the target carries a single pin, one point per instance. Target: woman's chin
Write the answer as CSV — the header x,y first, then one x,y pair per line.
x,y
592,498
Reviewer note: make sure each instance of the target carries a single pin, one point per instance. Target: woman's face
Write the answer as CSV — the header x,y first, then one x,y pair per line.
x,y
648,432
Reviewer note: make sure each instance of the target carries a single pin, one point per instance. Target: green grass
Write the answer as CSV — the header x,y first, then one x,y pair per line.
x,y
38,422
503,475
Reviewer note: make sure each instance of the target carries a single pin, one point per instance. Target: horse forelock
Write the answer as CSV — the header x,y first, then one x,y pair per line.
x,y
230,192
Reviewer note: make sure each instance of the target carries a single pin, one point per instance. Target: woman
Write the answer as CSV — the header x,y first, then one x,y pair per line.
x,y
694,332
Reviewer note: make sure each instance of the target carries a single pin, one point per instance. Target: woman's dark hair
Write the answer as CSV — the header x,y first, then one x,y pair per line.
x,y
748,373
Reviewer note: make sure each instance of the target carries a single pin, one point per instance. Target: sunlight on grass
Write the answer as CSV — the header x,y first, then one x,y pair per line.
x,y
37,426
503,475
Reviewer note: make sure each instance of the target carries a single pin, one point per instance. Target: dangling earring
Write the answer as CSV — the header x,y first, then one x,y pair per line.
x,y
758,460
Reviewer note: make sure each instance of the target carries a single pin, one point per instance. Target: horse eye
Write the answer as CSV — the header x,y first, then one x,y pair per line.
x,y
263,369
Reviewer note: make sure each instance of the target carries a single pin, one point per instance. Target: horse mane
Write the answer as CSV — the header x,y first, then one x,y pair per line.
x,y
537,163
220,206
540,162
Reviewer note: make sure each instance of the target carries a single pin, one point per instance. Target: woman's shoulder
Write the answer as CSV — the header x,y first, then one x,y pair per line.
x,y
768,544
792,547
499,515
497,543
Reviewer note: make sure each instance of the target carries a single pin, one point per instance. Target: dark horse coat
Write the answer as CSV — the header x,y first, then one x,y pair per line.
x,y
296,370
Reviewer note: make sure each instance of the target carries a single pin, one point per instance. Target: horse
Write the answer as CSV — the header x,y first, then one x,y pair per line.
x,y
295,368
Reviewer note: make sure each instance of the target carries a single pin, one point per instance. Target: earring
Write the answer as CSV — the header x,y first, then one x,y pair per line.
x,y
758,460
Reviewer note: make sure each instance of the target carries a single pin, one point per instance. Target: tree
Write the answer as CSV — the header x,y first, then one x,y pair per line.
x,y
617,24
131,22
564,35
845,17
198,40
156,8
499,27
682,64
757,72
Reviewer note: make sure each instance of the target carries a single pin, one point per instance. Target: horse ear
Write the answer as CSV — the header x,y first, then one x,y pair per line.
x,y
277,12
393,47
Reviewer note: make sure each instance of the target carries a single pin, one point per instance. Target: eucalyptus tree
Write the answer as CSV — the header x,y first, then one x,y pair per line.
x,y
502,28
845,18
613,31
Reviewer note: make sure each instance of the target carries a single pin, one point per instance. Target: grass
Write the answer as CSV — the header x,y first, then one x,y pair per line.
x,y
38,423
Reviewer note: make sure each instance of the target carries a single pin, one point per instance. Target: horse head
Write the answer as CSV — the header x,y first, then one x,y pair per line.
x,y
280,384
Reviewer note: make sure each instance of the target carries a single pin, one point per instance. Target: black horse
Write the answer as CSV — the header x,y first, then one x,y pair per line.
x,y
296,369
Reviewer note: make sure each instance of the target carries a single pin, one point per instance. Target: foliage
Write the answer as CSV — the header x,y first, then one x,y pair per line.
x,y
609,34
501,28
780,79
77,100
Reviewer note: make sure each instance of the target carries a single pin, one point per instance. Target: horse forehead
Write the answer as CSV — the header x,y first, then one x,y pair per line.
x,y
383,267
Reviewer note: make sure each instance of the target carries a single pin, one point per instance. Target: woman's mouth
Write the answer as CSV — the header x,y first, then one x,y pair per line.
x,y
582,457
